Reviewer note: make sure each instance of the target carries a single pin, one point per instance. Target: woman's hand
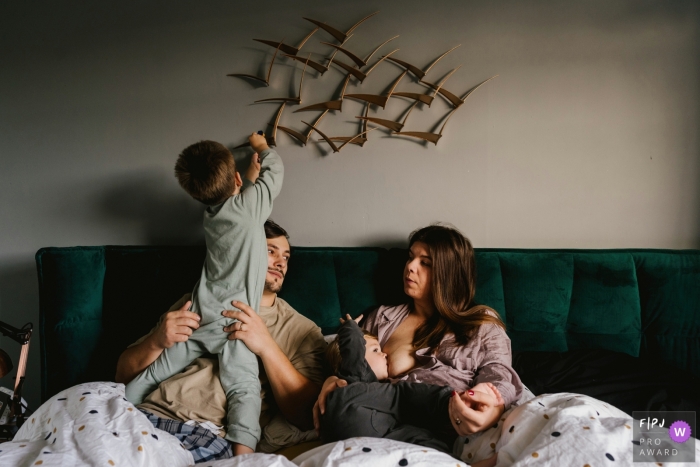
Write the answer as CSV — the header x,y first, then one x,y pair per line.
x,y
249,328
476,409
331,384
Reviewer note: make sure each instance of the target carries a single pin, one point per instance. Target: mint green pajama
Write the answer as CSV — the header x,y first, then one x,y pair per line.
x,y
234,269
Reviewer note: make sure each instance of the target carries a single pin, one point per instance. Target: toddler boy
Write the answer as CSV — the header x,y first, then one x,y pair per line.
x,y
234,270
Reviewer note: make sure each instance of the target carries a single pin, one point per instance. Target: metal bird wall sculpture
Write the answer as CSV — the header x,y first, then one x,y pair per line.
x,y
360,70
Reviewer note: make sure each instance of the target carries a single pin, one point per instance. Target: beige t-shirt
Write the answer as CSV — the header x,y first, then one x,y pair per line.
x,y
196,393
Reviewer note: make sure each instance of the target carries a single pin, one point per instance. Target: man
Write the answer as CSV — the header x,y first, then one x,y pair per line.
x,y
290,352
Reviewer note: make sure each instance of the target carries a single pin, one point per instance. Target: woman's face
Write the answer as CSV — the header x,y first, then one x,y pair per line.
x,y
417,274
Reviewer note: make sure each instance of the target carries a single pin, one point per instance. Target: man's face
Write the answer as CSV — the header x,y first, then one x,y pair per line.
x,y
277,257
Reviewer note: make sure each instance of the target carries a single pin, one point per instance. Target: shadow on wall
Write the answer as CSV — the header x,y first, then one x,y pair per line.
x,y
19,304
153,203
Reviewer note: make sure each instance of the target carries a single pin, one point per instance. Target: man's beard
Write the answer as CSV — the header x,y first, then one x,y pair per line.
x,y
273,287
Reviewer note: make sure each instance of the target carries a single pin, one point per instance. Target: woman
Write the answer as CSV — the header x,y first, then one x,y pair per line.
x,y
441,337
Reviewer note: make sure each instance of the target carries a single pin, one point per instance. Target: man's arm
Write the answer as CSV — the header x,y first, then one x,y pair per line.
x,y
174,326
294,393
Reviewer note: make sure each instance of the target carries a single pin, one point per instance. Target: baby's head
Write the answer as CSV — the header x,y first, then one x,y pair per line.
x,y
207,171
373,354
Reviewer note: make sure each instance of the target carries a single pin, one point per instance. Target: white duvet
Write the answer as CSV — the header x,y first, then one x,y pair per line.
x,y
562,429
92,424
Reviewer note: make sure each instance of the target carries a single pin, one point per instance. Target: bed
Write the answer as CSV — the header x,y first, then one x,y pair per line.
x,y
642,304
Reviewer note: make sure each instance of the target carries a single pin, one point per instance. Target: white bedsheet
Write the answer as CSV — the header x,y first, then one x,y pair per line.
x,y
92,424
562,429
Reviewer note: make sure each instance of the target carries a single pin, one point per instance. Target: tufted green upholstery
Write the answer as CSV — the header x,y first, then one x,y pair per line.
x,y
96,300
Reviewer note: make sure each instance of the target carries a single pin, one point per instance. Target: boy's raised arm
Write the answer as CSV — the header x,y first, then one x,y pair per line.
x,y
257,199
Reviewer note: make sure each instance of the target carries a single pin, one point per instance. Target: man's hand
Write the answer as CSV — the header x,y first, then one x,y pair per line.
x,y
250,329
258,143
331,384
176,326
254,168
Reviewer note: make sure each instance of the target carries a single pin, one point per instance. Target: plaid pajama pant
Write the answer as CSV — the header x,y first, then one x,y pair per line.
x,y
202,443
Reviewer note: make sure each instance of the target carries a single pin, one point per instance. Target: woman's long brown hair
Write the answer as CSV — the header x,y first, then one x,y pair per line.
x,y
453,285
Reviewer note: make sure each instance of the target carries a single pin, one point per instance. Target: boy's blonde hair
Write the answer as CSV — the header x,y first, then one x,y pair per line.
x,y
207,172
333,352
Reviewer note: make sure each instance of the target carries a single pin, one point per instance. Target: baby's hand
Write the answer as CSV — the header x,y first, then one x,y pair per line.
x,y
349,318
258,142
254,168
489,388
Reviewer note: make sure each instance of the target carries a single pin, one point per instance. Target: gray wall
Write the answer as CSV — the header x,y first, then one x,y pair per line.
x,y
587,139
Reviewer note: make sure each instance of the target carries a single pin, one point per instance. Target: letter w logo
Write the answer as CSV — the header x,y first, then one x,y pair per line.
x,y
680,431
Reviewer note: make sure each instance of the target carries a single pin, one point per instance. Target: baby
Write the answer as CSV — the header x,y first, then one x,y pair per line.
x,y
409,412
234,270
404,411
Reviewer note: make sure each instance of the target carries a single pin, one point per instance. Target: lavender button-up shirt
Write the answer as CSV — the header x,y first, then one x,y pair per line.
x,y
486,358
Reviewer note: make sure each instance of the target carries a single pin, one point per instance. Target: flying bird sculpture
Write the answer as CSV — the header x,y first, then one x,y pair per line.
x,y
375,99
346,139
417,71
315,65
356,70
293,100
426,136
329,105
390,124
354,139
302,138
288,49
358,140
457,101
330,142
340,36
265,80
426,98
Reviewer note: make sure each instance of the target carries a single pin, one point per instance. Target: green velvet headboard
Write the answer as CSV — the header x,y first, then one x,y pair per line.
x,y
94,301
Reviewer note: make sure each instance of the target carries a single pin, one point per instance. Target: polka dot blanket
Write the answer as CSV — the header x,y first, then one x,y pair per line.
x,y
562,429
92,424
